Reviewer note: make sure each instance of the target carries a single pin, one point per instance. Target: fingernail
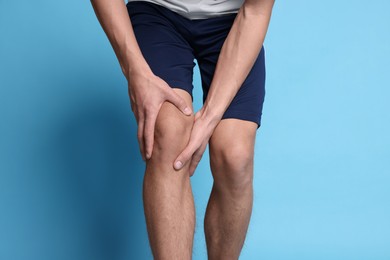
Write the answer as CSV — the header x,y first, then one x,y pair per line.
x,y
148,156
187,110
178,165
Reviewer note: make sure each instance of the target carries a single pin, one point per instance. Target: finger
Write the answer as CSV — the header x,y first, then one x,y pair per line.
x,y
196,159
184,156
132,100
132,106
150,123
140,136
135,113
197,115
178,101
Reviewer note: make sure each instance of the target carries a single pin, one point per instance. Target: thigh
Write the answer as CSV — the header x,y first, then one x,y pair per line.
x,y
165,50
248,102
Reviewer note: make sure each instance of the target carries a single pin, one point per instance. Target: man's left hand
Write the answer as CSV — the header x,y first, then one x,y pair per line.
x,y
201,132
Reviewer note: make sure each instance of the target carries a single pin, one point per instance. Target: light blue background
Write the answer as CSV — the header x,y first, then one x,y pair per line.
x,y
71,173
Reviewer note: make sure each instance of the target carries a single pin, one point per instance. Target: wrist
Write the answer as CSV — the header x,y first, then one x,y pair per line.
x,y
212,115
134,68
132,62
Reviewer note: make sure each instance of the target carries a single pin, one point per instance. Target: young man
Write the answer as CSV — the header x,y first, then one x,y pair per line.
x,y
156,42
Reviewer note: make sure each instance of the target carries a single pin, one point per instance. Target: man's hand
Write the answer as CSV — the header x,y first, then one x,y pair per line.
x,y
201,132
147,93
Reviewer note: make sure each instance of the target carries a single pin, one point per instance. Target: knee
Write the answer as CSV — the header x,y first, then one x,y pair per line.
x,y
232,167
172,131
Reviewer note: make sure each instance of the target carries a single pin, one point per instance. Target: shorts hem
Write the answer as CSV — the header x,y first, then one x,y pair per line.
x,y
243,116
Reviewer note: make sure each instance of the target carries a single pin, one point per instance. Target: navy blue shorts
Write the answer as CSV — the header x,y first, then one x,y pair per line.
x,y
170,42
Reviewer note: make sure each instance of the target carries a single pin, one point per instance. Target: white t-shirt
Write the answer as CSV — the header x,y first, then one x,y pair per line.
x,y
199,9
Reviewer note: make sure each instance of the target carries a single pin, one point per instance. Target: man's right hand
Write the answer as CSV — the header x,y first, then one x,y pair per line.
x,y
147,93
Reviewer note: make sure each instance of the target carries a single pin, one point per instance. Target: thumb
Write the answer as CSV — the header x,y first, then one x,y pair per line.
x,y
182,159
178,101
197,115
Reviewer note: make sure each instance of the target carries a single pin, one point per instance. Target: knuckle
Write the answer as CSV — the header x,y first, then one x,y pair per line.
x,y
169,93
140,115
151,109
184,158
181,103
148,109
148,134
148,140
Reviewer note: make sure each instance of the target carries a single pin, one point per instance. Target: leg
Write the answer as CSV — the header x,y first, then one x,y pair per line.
x,y
231,147
229,208
168,200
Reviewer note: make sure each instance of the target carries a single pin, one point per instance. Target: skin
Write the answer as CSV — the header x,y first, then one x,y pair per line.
x,y
168,132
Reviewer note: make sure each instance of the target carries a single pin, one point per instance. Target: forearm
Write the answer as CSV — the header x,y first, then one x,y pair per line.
x,y
238,54
114,19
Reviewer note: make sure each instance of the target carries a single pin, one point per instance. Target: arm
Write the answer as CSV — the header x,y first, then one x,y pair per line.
x,y
114,19
237,56
236,59
147,92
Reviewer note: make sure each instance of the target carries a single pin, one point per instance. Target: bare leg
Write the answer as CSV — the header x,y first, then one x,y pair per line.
x,y
230,205
168,200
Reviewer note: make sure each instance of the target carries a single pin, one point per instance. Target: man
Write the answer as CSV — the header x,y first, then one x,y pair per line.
x,y
156,42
